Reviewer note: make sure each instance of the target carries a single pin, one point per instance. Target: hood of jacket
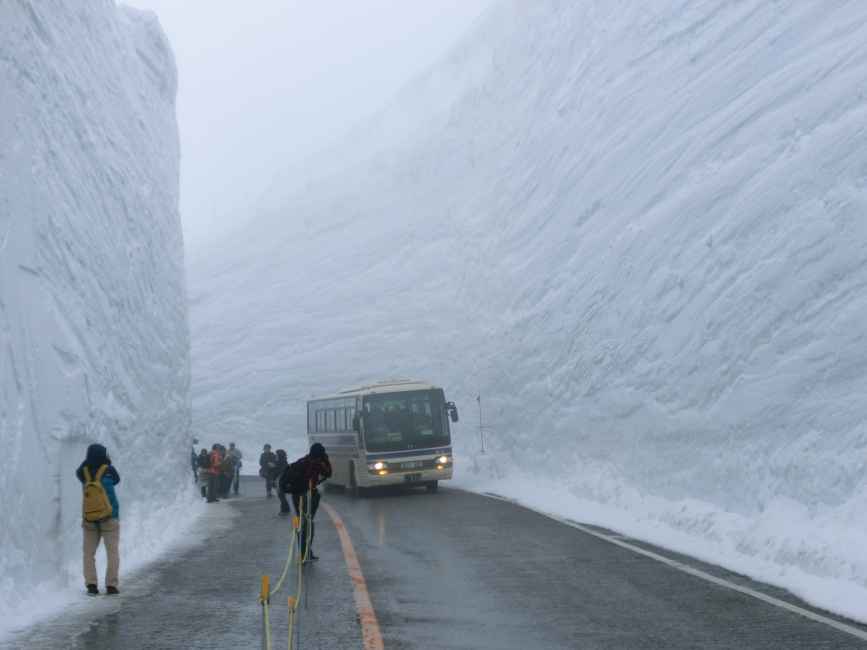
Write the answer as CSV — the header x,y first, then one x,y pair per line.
x,y
96,455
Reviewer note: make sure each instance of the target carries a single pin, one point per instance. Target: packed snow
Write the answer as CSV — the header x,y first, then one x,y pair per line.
x,y
94,343
637,230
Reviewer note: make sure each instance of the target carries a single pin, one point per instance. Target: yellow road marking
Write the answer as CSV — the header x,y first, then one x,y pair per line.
x,y
369,625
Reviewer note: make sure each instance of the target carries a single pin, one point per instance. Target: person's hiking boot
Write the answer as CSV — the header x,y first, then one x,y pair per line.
x,y
92,590
111,591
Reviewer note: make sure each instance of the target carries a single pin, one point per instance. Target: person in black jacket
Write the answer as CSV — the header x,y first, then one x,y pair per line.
x,y
301,479
276,474
203,462
266,465
194,461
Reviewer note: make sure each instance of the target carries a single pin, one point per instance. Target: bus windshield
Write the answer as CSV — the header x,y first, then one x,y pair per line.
x,y
409,420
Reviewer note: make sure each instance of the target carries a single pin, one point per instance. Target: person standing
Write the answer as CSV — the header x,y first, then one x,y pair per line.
x,y
236,455
301,479
100,517
279,467
266,464
204,464
226,472
194,461
214,473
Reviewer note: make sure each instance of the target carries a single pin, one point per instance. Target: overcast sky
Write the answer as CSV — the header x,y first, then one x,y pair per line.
x,y
266,82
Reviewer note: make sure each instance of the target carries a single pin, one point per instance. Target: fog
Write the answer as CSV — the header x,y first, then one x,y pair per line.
x,y
262,88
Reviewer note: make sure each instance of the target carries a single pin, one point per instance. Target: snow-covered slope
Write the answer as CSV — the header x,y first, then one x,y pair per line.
x,y
638,230
93,332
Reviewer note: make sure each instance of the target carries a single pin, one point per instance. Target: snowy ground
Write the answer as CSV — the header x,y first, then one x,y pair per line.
x,y
638,231
94,343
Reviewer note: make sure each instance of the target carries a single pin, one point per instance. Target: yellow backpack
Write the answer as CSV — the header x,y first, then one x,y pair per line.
x,y
95,505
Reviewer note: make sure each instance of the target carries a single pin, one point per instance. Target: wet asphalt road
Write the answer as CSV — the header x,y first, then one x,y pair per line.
x,y
447,570
206,597
457,570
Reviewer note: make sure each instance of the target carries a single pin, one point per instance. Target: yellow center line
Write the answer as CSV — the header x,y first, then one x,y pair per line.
x,y
369,625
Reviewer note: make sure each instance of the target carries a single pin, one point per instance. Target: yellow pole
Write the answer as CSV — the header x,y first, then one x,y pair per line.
x,y
264,599
291,602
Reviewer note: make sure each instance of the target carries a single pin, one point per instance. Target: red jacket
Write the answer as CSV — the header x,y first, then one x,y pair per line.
x,y
216,459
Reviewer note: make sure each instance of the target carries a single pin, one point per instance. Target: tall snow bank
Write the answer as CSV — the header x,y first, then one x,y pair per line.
x,y
93,333
639,232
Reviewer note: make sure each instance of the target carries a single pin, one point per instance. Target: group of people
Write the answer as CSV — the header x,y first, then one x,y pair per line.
x,y
218,472
271,466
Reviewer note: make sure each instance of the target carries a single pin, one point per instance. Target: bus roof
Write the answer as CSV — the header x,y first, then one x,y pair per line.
x,y
388,386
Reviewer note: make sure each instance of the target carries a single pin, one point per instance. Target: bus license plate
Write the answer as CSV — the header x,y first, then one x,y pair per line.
x,y
409,478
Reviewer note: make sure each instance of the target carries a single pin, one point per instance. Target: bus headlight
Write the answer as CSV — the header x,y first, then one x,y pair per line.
x,y
443,460
377,466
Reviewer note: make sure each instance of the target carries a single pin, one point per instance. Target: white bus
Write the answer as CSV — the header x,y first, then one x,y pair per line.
x,y
394,432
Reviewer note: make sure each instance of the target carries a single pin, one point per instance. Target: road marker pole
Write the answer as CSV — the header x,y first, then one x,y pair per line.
x,y
291,601
264,598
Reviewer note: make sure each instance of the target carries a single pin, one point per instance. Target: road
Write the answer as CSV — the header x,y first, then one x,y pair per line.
x,y
447,570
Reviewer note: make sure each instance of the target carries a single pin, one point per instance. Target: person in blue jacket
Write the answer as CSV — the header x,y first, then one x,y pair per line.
x,y
108,530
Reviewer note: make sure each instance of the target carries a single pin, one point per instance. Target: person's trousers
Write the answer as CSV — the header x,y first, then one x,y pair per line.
x,y
299,500
284,503
212,487
236,479
301,505
109,532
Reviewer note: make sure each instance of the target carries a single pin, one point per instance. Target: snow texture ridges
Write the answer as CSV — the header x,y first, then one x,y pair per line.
x,y
638,231
94,343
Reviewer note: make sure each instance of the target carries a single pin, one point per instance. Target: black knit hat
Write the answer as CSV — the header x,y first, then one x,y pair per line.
x,y
96,455
317,450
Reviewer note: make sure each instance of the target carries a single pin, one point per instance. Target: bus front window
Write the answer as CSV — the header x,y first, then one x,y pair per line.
x,y
410,420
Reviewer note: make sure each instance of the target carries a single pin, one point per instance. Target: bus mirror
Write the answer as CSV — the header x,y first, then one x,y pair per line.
x,y
355,423
453,411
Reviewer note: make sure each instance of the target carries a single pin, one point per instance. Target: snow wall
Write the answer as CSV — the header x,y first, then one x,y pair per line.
x,y
94,342
638,230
